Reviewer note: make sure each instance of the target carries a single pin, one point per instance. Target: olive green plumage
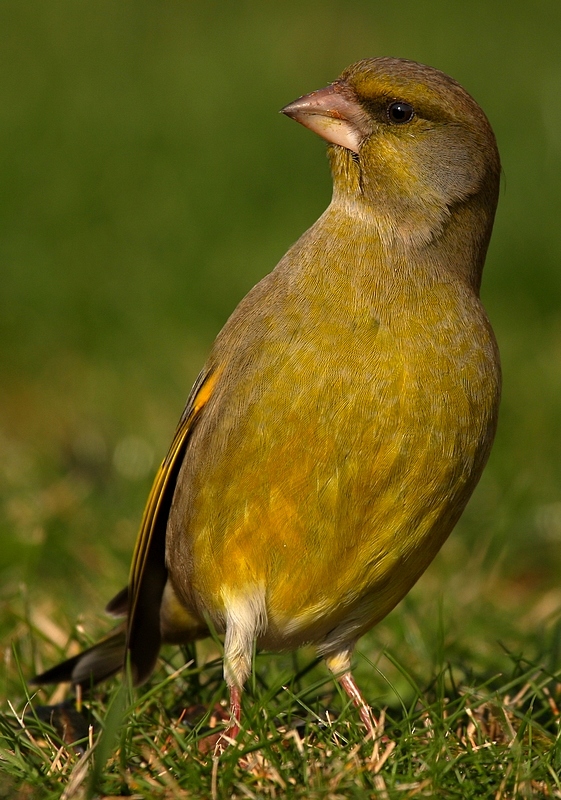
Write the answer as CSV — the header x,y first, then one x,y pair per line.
x,y
348,406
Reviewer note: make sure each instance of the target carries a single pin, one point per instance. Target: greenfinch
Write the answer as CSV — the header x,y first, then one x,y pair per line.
x,y
347,408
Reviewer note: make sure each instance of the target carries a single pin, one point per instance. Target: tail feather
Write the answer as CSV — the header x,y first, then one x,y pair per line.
x,y
92,665
118,606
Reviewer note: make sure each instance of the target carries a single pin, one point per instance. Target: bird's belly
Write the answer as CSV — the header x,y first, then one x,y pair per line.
x,y
330,508
366,550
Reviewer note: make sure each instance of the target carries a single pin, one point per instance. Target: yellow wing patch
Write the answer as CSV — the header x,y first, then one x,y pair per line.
x,y
148,571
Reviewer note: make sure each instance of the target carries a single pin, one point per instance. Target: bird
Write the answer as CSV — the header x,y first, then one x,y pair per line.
x,y
346,410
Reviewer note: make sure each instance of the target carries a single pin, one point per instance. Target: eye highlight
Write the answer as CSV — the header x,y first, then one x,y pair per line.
x,y
400,112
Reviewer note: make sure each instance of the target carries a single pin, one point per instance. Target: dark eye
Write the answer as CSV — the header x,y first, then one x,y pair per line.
x,y
400,112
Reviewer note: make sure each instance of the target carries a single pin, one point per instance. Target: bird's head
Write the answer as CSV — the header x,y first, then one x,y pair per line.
x,y
407,144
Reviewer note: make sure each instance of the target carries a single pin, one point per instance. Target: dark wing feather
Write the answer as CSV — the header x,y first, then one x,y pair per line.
x,y
141,600
148,570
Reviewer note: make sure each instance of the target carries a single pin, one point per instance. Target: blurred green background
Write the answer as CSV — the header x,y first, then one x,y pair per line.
x,y
147,182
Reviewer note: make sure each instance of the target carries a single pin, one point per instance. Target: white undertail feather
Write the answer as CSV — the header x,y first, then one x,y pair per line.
x,y
339,661
246,619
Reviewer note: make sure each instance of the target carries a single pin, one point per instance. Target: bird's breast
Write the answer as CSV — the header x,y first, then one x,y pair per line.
x,y
332,465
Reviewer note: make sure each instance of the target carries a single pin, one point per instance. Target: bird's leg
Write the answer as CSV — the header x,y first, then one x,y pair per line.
x,y
246,615
340,665
233,728
350,686
235,712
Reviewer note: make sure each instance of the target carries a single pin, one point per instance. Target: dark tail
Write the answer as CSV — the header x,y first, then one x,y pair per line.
x,y
92,665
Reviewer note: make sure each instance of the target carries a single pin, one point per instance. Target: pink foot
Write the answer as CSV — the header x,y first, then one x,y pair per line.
x,y
349,685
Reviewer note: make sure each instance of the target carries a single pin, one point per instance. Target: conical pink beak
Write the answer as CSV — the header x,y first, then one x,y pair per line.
x,y
333,114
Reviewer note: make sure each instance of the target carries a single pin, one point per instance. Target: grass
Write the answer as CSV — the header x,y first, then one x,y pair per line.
x,y
496,739
148,182
461,714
